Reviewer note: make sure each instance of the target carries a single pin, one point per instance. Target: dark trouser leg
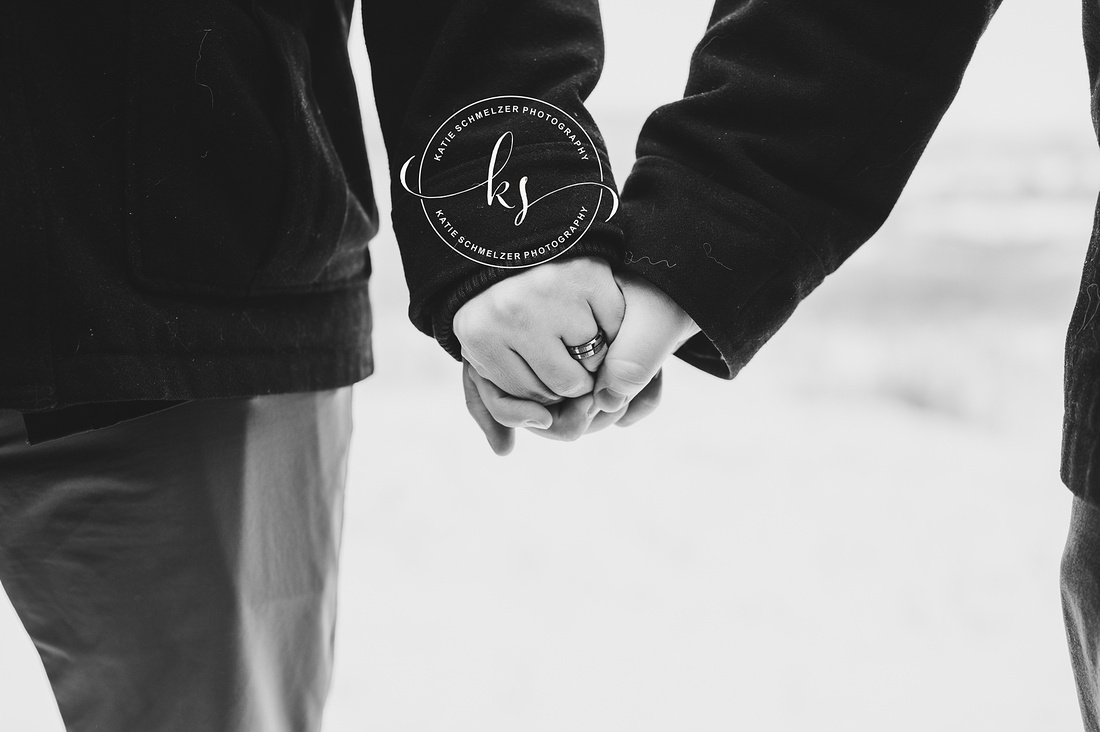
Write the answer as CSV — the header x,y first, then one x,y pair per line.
x,y
178,572
1081,607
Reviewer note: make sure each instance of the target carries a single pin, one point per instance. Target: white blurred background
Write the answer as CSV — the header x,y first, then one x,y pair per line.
x,y
861,532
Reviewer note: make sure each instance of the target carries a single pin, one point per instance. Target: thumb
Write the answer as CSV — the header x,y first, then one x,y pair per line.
x,y
652,328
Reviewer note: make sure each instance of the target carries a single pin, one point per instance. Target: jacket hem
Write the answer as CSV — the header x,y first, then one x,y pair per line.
x,y
176,377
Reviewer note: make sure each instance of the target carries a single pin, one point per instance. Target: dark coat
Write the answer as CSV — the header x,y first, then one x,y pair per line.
x,y
185,202
184,198
800,126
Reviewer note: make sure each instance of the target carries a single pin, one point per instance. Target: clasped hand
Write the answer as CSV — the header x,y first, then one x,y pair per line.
x,y
517,371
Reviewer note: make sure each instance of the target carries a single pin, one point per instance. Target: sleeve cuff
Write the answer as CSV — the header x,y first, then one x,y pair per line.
x,y
736,268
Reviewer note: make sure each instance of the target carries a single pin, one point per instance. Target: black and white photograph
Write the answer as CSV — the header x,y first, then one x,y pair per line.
x,y
550,366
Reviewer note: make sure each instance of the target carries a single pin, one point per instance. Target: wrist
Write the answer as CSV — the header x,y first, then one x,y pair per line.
x,y
596,247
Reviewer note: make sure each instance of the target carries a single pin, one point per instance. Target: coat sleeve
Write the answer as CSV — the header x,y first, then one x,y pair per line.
x,y
431,58
801,122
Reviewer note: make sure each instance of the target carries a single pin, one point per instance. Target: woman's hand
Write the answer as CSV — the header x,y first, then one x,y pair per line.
x,y
653,328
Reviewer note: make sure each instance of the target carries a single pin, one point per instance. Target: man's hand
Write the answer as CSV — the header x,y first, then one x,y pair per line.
x,y
514,337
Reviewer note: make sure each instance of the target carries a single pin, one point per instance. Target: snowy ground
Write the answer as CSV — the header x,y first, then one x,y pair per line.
x,y
860,533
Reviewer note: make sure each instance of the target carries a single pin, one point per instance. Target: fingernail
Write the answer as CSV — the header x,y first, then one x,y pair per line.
x,y
609,401
592,411
536,425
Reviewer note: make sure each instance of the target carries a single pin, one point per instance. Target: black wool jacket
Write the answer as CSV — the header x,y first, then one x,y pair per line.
x,y
800,125
185,205
185,202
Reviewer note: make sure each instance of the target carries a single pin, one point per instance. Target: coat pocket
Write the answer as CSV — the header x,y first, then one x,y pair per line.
x,y
234,187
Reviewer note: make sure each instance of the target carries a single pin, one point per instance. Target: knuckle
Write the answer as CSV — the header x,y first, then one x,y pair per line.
x,y
467,317
478,371
472,336
627,371
569,388
517,388
509,310
541,397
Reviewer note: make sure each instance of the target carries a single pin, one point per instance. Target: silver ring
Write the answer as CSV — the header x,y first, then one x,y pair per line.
x,y
589,348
